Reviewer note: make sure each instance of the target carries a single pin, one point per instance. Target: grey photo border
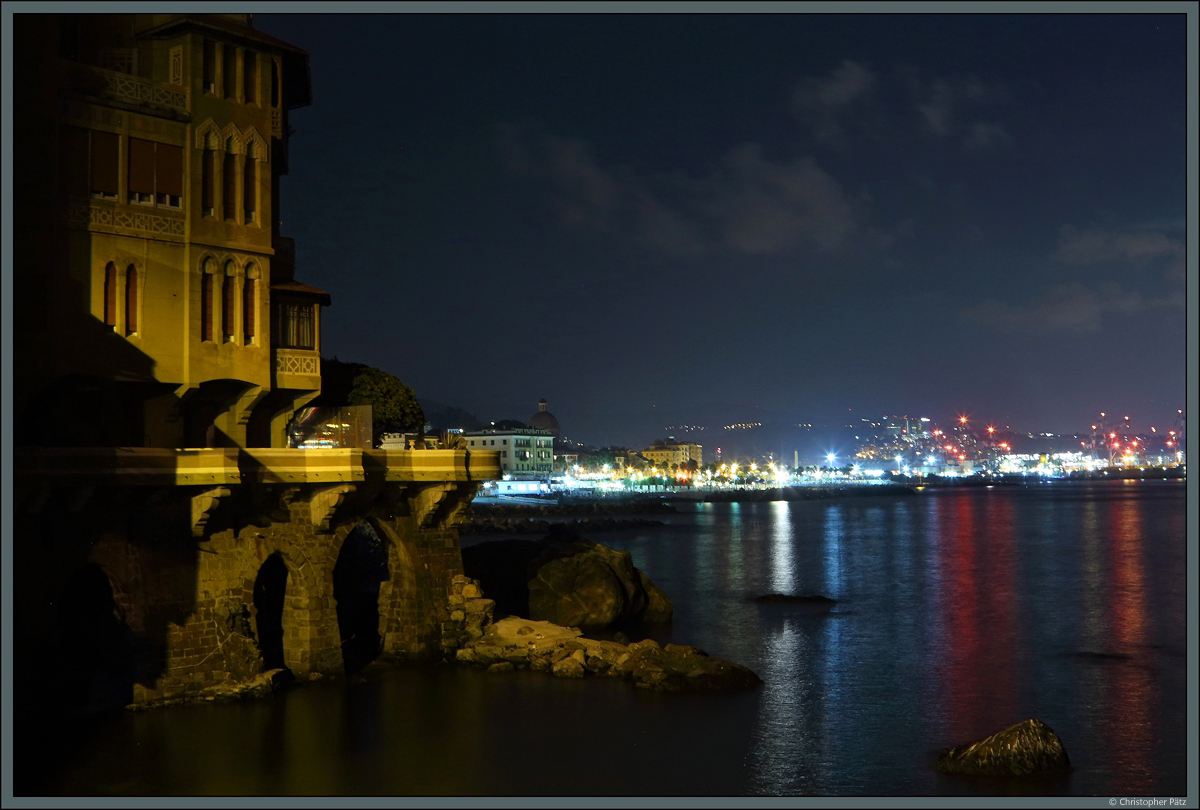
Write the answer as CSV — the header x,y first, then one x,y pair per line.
x,y
1190,9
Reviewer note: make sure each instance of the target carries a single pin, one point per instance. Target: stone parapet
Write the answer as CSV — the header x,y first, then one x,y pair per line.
x,y
160,466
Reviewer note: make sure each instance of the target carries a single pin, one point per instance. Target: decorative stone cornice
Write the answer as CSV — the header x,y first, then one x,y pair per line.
x,y
324,503
203,504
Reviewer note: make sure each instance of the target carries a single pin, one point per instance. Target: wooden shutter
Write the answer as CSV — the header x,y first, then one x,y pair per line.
x,y
141,166
106,159
168,164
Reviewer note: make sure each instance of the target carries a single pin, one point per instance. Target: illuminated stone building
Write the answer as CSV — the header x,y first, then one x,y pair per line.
x,y
166,541
669,451
158,303
524,452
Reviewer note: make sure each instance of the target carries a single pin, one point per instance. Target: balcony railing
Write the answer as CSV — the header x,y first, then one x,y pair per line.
x,y
121,87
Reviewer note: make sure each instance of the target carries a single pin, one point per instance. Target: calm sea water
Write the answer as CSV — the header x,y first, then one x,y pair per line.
x,y
958,612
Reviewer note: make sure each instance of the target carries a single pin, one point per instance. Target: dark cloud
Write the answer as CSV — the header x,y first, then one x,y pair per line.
x,y
949,107
747,204
1086,247
823,103
1069,307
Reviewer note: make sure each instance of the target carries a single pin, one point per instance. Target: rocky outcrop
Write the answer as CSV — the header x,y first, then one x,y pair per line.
x,y
470,614
566,580
516,643
1025,749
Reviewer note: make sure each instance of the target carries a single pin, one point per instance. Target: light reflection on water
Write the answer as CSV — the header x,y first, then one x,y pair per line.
x,y
958,613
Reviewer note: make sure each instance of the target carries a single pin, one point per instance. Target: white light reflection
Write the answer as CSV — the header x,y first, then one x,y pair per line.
x,y
786,745
783,574
832,549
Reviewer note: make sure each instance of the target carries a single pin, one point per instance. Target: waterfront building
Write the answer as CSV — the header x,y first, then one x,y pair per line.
x,y
524,452
167,541
150,151
669,452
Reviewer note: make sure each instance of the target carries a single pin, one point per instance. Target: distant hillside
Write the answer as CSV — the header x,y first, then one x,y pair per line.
x,y
440,416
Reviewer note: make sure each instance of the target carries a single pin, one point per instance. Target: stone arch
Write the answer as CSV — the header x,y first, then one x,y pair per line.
x,y
307,621
208,136
267,602
359,569
256,146
233,140
399,608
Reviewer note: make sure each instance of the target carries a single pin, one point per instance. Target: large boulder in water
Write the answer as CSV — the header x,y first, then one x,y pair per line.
x,y
1025,749
567,580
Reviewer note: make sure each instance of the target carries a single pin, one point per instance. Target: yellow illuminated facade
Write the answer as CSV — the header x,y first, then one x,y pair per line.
x,y
155,297
668,453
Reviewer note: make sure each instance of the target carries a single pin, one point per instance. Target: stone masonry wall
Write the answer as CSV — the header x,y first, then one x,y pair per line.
x,y
187,603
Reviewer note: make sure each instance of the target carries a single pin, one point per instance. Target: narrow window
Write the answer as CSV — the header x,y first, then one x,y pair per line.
x,y
227,292
249,187
210,66
206,303
141,171
229,179
110,295
208,182
250,77
168,175
103,166
248,306
274,83
230,66
131,300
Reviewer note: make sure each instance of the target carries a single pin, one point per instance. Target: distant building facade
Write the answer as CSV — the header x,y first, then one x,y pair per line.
x,y
524,452
668,452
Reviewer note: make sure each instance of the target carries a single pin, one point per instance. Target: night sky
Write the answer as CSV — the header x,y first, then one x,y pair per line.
x,y
663,220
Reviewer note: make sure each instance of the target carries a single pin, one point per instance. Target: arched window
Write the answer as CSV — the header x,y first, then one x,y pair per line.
x,y
249,185
206,300
229,69
131,300
229,179
228,286
250,77
208,181
249,303
110,295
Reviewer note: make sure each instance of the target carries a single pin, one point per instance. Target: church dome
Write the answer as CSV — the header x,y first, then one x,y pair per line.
x,y
543,419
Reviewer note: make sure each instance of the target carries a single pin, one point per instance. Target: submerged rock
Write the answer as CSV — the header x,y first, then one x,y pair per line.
x,y
563,652
1025,749
567,580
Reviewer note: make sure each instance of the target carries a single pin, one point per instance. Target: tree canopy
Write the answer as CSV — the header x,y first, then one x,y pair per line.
x,y
394,407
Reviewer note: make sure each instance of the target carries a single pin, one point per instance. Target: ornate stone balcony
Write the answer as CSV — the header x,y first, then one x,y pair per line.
x,y
113,86
298,369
